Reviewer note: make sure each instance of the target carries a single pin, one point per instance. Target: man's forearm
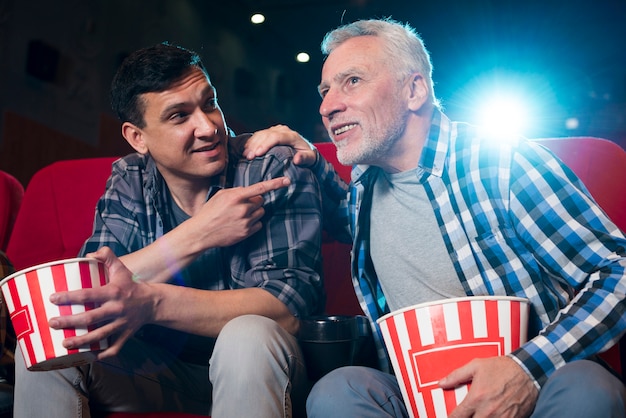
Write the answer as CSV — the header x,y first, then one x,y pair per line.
x,y
161,260
205,312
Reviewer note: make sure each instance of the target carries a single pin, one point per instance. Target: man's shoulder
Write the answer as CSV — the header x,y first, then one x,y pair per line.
x,y
278,161
281,152
130,175
131,162
236,145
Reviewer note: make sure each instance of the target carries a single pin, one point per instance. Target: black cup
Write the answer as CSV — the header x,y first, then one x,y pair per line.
x,y
329,342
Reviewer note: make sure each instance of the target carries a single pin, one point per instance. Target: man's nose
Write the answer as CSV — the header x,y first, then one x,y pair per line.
x,y
205,126
331,104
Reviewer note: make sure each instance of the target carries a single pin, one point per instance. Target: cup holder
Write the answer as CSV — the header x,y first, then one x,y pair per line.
x,y
329,342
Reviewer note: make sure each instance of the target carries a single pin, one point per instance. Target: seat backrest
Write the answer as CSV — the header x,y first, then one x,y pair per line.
x,y
57,212
329,152
601,165
11,193
340,296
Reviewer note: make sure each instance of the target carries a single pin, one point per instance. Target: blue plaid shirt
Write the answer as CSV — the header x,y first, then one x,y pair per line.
x,y
516,222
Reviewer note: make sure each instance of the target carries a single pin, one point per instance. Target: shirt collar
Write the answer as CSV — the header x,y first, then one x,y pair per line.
x,y
433,155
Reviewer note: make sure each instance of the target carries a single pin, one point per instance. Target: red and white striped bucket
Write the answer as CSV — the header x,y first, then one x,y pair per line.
x,y
428,341
27,295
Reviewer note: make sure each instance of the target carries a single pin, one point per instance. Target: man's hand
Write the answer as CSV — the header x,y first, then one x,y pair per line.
x,y
234,214
262,141
227,218
124,307
499,388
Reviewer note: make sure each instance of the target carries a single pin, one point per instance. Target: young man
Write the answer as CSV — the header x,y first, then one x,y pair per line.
x,y
221,256
439,211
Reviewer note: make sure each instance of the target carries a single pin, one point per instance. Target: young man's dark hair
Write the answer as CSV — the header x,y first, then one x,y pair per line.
x,y
152,69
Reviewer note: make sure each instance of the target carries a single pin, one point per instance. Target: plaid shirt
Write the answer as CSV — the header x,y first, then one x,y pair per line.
x,y
516,222
283,258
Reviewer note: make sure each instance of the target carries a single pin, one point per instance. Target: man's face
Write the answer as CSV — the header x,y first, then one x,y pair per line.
x,y
363,105
184,131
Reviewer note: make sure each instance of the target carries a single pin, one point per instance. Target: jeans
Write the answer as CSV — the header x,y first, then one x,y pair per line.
x,y
579,389
256,366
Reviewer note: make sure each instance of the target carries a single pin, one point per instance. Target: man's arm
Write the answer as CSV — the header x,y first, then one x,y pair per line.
x,y
227,218
578,249
275,273
284,258
334,189
127,305
581,250
122,223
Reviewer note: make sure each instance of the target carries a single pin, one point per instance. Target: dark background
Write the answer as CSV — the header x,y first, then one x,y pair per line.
x,y
57,58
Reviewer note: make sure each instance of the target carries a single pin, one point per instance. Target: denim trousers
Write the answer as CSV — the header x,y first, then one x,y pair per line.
x,y
256,368
581,389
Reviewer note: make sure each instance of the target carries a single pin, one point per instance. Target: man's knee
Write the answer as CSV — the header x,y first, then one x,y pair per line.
x,y
356,391
254,339
254,355
251,331
331,390
335,382
582,388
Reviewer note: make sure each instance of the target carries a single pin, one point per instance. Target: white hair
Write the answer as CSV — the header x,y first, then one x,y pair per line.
x,y
404,46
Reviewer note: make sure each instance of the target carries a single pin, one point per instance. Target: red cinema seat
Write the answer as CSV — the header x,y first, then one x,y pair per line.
x,y
57,211
11,193
340,296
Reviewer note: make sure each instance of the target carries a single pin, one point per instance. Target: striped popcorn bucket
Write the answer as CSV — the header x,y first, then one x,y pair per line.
x,y
428,341
27,295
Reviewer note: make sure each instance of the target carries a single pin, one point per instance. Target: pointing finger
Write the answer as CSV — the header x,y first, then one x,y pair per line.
x,y
263,187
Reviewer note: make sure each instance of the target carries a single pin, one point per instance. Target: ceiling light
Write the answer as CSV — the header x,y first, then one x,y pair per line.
x,y
257,18
303,57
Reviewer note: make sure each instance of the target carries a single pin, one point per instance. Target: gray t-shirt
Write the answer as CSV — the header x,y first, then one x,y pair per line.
x,y
407,248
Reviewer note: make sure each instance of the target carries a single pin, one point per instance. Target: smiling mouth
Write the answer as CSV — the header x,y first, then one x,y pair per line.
x,y
343,129
207,148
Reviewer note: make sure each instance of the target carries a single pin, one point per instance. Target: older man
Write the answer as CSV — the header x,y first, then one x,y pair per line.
x,y
438,210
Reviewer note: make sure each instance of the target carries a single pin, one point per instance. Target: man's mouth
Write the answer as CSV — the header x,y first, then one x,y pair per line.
x,y
207,148
344,128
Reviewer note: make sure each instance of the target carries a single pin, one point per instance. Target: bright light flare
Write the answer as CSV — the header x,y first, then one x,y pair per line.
x,y
572,123
503,117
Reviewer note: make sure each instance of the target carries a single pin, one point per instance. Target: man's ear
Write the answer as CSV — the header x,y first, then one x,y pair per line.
x,y
418,92
134,136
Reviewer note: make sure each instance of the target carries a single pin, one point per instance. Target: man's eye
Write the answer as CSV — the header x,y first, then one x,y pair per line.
x,y
178,116
354,80
211,104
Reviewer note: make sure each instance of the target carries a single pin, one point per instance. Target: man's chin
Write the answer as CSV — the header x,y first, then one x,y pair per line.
x,y
213,169
346,156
